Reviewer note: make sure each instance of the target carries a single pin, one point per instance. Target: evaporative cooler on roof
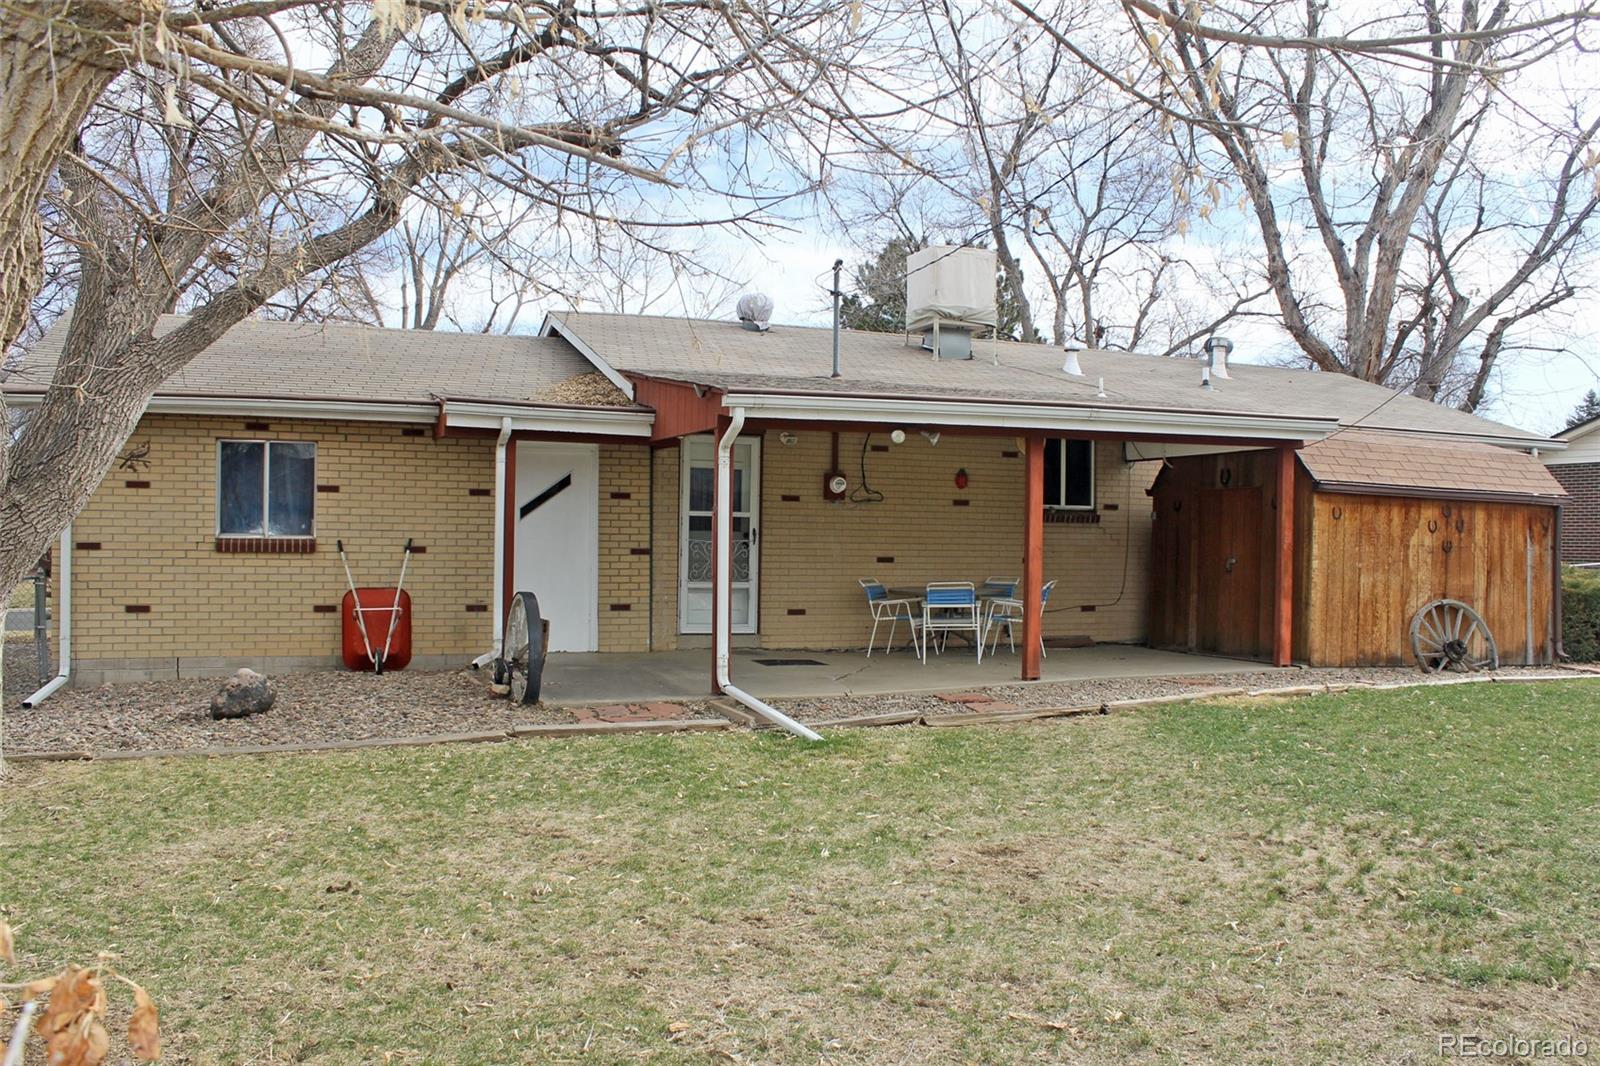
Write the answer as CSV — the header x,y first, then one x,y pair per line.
x,y
950,297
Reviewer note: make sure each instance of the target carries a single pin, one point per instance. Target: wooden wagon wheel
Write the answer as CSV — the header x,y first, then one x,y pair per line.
x,y
1449,635
522,652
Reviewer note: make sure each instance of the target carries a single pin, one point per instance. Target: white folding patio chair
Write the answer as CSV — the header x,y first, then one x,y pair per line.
x,y
992,589
950,606
881,607
1007,612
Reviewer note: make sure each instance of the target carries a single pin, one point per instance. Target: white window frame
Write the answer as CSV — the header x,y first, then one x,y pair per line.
x,y
1094,477
266,482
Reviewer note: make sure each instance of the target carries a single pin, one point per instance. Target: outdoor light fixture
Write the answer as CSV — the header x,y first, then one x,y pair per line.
x,y
898,436
787,439
932,435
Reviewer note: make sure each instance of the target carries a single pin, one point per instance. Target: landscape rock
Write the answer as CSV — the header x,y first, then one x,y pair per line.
x,y
243,694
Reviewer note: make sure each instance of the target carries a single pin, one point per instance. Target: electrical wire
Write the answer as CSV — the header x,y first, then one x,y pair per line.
x,y
865,493
1127,554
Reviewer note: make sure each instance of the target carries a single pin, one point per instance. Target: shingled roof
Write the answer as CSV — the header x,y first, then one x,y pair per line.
x,y
1360,460
351,362
798,359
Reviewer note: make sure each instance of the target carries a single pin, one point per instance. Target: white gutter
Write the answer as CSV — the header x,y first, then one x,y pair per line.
x,y
498,592
618,422
64,619
1019,416
724,586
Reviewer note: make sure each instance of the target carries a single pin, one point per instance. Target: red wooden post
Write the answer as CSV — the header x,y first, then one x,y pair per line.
x,y
1033,558
1283,603
717,548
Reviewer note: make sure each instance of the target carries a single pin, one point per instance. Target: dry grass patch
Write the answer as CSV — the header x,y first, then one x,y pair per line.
x,y
1340,877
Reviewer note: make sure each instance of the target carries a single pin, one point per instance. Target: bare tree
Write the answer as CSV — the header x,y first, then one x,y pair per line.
x,y
1446,184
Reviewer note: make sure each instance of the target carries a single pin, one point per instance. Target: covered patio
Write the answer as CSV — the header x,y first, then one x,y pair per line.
x,y
573,679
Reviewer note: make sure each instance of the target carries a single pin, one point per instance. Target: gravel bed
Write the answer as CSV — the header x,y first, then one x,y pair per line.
x,y
1091,692
310,708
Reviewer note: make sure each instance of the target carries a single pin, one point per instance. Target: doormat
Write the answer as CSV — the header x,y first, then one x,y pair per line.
x,y
789,662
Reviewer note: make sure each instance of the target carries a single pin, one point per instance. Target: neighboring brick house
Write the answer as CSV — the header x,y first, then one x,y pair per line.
x,y
581,464
1577,467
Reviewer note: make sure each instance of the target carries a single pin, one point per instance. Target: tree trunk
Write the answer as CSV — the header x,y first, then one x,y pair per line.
x,y
50,75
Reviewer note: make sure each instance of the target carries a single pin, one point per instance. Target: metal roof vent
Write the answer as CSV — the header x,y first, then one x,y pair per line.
x,y
1217,349
1072,366
950,297
755,311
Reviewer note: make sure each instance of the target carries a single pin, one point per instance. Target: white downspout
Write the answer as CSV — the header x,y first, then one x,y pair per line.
x,y
724,586
498,592
64,618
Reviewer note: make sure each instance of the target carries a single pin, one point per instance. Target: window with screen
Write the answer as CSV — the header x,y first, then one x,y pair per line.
x,y
265,488
1069,474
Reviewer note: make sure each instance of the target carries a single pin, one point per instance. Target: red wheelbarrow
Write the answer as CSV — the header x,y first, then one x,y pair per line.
x,y
368,610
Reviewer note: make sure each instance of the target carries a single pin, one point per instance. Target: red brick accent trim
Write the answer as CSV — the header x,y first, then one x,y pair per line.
x,y
477,608
880,447
257,427
885,558
87,546
324,608
960,503
622,495
478,492
1071,518
1011,453
413,431
136,484
638,551
796,611
267,545
787,498
327,488
136,608
622,606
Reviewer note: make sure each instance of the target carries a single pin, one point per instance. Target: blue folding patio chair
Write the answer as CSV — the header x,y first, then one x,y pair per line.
x,y
1007,612
881,607
950,606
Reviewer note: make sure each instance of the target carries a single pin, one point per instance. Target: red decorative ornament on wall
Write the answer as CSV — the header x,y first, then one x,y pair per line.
x,y
961,479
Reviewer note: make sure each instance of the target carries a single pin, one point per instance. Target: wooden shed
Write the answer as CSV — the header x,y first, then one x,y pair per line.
x,y
1383,523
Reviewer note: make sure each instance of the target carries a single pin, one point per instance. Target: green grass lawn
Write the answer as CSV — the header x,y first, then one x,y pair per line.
x,y
1339,878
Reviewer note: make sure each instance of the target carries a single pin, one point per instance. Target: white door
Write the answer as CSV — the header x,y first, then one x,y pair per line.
x,y
558,538
699,495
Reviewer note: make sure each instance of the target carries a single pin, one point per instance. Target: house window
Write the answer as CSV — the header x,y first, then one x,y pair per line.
x,y
1069,474
265,488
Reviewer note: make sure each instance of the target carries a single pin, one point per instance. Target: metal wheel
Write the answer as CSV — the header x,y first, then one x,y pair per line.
x,y
522,653
1449,635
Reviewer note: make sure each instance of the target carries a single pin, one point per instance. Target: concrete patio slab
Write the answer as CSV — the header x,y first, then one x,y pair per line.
x,y
578,678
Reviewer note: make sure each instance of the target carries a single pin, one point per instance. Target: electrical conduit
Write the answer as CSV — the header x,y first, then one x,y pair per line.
x,y
723,587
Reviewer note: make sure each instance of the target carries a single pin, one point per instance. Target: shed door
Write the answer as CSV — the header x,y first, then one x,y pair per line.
x,y
558,538
1228,568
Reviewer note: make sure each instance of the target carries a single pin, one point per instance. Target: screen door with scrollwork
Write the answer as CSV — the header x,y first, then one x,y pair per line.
x,y
699,492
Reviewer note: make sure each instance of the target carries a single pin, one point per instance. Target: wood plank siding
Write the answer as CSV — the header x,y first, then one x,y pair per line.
x,y
1363,565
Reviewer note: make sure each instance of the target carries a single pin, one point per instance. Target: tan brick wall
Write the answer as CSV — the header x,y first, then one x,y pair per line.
x,y
812,550
624,547
158,547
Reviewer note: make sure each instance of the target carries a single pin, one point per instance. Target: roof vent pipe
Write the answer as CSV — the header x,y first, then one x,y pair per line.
x,y
1072,366
1217,349
838,265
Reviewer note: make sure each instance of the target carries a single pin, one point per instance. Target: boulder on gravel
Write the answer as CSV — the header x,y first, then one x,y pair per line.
x,y
243,694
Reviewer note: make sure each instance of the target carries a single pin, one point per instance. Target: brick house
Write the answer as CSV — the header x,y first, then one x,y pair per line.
x,y
1577,467
582,464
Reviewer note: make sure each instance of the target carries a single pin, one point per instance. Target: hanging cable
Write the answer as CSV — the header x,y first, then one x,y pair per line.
x,y
865,493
